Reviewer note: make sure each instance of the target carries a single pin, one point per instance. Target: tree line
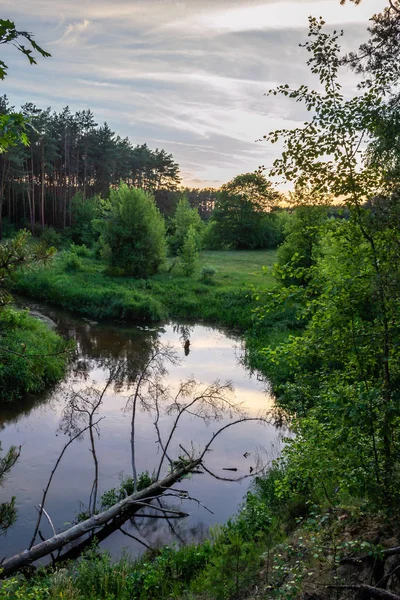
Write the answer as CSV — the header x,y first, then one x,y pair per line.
x,y
70,153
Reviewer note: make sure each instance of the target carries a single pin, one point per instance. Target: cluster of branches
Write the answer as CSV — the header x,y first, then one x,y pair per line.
x,y
69,153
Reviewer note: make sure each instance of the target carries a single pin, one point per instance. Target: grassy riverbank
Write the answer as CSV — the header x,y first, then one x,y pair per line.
x,y
32,356
84,285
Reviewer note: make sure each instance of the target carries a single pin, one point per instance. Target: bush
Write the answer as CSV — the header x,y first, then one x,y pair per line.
x,y
24,335
79,250
51,237
135,233
72,262
207,275
189,255
184,218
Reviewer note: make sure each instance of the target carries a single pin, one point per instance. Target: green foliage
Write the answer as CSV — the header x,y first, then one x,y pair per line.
x,y
126,488
85,213
101,294
135,232
185,218
12,129
165,575
241,219
72,262
10,35
232,569
298,252
13,125
51,237
207,275
20,252
188,255
31,355
79,250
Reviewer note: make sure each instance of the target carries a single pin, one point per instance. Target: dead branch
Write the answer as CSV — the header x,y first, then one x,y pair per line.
x,y
13,564
214,398
231,424
46,489
232,479
46,514
141,541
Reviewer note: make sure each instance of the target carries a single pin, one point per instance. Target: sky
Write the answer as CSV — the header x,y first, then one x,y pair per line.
x,y
189,76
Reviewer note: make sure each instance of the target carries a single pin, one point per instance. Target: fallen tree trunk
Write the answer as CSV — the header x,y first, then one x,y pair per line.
x,y
25,558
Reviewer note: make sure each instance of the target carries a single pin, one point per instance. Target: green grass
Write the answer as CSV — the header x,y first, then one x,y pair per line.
x,y
31,355
84,287
240,267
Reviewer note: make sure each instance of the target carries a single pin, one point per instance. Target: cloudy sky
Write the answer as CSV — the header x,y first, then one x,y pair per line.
x,y
185,75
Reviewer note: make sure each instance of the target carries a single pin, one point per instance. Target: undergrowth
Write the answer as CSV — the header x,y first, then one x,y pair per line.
x,y
31,355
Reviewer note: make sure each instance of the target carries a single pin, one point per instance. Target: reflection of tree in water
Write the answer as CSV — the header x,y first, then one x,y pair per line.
x,y
120,350
158,532
184,332
114,348
11,412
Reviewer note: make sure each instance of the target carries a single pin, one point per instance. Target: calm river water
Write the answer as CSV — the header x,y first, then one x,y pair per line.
x,y
34,424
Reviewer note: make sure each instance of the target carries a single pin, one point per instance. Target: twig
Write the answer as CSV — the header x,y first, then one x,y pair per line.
x,y
220,478
136,538
169,510
46,514
46,489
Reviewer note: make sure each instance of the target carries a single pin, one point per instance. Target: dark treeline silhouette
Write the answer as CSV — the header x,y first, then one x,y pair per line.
x,y
70,153
202,199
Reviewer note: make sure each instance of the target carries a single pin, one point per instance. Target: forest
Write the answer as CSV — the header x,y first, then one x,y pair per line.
x,y
101,239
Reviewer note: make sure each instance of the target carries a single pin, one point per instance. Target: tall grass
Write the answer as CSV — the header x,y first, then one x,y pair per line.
x,y
31,355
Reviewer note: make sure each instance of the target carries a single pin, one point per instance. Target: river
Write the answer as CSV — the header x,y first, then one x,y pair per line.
x,y
34,423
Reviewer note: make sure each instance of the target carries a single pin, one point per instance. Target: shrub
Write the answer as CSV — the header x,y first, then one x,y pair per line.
x,y
135,232
79,250
51,237
72,262
184,218
189,255
207,275
24,335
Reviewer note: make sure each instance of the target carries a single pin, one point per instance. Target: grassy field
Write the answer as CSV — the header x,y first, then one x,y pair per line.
x,y
240,267
85,287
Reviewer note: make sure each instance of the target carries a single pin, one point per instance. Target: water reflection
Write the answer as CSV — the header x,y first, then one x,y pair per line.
x,y
124,351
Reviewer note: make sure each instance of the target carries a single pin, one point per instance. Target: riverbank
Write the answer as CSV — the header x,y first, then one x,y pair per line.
x,y
86,287
232,295
32,356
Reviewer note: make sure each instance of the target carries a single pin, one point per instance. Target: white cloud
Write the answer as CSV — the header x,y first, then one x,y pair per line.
x,y
187,76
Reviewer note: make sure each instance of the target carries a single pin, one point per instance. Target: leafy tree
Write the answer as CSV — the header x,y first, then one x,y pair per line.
x,y
184,218
135,232
17,253
13,125
346,361
188,254
298,252
84,213
242,218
